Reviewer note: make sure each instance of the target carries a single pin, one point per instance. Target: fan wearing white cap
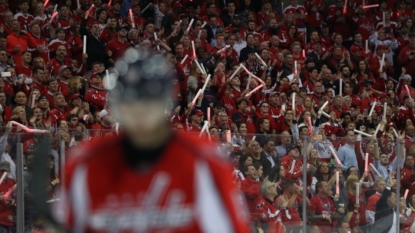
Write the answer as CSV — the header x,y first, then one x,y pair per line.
x,y
106,121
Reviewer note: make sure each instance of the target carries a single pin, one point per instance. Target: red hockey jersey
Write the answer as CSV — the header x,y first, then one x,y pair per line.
x,y
103,193
97,97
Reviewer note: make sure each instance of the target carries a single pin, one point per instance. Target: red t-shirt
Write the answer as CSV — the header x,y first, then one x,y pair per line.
x,y
117,48
361,210
321,205
26,70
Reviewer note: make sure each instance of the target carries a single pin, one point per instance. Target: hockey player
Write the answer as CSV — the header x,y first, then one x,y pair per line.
x,y
148,179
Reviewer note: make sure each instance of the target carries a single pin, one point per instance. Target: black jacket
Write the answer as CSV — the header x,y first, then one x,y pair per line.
x,y
266,164
243,56
318,59
286,71
95,48
227,19
210,34
384,214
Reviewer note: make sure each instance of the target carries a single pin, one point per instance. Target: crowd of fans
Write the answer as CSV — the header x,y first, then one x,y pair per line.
x,y
287,81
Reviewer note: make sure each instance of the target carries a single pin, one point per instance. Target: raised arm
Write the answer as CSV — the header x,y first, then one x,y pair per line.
x,y
83,29
375,143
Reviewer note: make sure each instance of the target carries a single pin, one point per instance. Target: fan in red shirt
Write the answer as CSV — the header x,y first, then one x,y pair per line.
x,y
195,120
251,188
291,216
321,211
292,164
364,24
18,42
200,190
6,205
406,56
380,73
4,6
315,12
63,20
24,68
60,60
42,19
96,95
38,81
105,125
23,17
268,210
138,19
117,47
52,90
265,14
236,25
339,21
298,11
272,30
41,47
6,114
59,112
61,39
402,13
408,174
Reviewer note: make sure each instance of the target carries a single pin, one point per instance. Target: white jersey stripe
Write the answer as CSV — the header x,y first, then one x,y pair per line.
x,y
80,198
211,212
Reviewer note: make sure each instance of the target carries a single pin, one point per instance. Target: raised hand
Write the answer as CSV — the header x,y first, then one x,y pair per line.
x,y
282,202
401,137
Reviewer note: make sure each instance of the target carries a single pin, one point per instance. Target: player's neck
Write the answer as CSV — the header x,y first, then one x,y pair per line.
x,y
151,140
142,156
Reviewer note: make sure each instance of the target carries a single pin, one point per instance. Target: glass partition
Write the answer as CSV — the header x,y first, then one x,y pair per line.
x,y
38,159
